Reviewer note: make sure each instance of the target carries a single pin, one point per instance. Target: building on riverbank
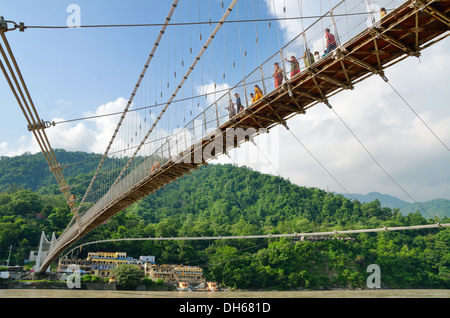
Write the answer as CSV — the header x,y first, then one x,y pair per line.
x,y
174,273
101,263
65,263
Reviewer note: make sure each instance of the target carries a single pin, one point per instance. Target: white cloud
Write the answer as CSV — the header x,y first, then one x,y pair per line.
x,y
104,127
211,88
398,140
24,144
290,9
3,146
71,137
89,136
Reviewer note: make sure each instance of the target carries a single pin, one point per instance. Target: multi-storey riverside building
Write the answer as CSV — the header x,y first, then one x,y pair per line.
x,y
103,262
174,273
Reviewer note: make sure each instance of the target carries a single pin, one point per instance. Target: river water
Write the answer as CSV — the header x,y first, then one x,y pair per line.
x,y
68,293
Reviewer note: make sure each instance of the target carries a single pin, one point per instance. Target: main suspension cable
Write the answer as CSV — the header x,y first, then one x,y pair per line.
x,y
22,26
141,76
185,77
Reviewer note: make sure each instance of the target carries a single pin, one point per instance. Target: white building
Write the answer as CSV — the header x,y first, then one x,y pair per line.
x,y
147,259
133,261
33,256
141,261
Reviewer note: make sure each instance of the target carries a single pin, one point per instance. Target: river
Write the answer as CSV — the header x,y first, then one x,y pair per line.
x,y
382,293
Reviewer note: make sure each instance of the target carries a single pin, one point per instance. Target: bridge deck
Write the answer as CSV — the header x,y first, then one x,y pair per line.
x,y
402,33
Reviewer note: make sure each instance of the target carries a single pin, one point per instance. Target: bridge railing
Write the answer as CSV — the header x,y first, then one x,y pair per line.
x,y
346,21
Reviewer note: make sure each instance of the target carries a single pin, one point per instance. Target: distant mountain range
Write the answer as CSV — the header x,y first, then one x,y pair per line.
x,y
436,207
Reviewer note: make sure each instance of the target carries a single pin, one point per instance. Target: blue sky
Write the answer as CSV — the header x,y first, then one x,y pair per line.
x,y
72,73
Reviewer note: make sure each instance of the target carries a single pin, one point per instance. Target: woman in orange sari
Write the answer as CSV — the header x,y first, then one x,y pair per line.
x,y
258,93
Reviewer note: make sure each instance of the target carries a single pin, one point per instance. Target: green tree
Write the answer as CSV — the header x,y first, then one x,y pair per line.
x,y
25,202
128,276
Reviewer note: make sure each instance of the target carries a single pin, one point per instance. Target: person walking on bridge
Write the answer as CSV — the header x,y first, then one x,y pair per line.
x,y
239,106
277,75
295,67
331,41
258,93
231,110
308,58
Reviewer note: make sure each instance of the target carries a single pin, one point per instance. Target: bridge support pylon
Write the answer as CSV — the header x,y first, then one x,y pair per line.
x,y
44,246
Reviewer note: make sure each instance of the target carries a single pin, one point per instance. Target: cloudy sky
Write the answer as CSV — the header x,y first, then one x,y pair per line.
x,y
392,133
85,72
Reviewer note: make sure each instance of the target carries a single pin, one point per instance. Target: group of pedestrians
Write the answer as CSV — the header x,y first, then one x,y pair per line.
x,y
232,110
308,59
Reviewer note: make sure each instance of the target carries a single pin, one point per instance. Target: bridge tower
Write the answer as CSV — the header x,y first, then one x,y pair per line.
x,y
44,246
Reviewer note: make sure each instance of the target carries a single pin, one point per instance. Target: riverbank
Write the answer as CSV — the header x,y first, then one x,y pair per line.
x,y
110,290
79,293
55,285
61,285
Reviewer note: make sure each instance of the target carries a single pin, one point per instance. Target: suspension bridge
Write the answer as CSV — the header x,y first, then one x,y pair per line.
x,y
163,137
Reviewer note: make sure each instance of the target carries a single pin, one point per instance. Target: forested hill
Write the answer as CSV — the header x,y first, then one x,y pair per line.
x,y
31,171
222,193
436,207
227,200
213,200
